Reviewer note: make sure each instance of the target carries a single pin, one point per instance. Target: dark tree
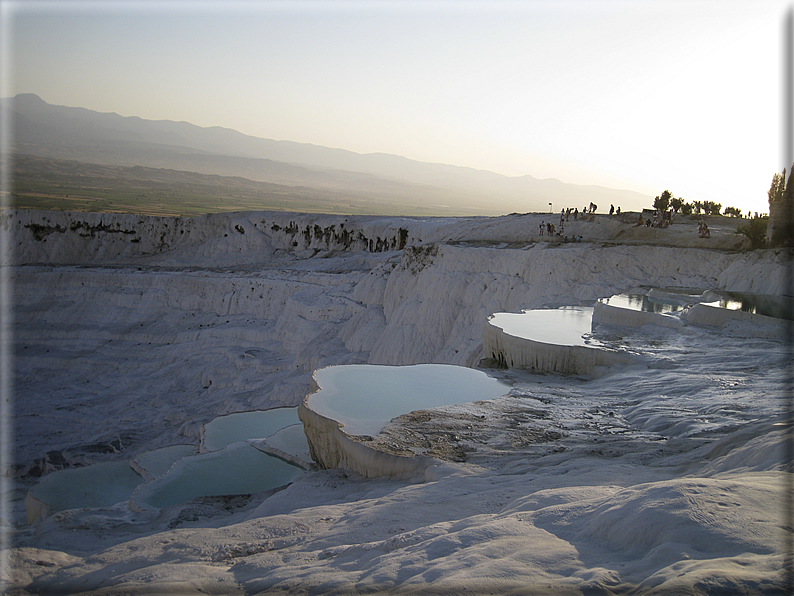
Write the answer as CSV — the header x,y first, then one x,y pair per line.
x,y
662,202
732,211
755,230
777,188
781,211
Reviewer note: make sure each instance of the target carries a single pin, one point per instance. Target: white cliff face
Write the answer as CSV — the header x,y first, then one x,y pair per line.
x,y
438,296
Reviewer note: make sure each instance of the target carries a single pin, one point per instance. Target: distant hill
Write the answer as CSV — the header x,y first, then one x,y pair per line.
x,y
60,132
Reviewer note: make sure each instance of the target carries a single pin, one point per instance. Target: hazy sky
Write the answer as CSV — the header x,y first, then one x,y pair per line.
x,y
645,95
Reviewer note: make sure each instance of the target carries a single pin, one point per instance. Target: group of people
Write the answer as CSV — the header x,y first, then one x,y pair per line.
x,y
660,219
565,214
664,218
551,230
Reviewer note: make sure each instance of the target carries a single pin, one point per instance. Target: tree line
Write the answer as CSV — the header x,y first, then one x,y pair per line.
x,y
666,201
780,200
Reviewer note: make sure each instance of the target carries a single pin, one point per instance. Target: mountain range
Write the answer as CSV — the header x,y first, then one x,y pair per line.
x,y
80,135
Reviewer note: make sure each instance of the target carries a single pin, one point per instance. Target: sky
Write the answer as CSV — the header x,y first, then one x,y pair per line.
x,y
645,95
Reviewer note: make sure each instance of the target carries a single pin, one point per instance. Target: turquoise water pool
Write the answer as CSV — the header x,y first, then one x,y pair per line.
x,y
235,470
366,397
225,430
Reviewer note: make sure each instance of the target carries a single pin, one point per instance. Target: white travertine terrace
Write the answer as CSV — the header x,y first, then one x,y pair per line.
x,y
331,447
243,452
355,400
735,321
548,340
148,340
609,313
739,314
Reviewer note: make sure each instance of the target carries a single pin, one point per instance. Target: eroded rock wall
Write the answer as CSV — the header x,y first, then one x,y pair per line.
x,y
215,239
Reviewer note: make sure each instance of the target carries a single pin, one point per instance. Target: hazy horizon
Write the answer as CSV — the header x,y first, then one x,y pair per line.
x,y
643,95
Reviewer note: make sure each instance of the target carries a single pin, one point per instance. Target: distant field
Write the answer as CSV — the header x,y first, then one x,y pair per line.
x,y
51,184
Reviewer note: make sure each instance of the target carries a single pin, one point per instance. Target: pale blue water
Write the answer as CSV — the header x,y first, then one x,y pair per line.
x,y
232,467
561,326
235,470
366,397
100,485
291,440
259,424
159,461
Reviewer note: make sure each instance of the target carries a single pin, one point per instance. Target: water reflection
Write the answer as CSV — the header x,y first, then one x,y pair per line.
x,y
666,301
100,485
238,469
225,430
366,397
567,326
779,307
642,302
